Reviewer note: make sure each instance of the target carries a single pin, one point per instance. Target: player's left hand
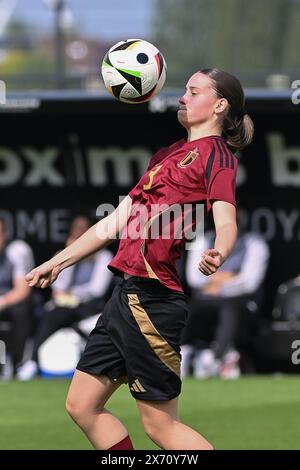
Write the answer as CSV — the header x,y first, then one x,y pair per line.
x,y
210,262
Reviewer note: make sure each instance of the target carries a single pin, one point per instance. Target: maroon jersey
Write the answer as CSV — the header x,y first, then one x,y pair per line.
x,y
185,173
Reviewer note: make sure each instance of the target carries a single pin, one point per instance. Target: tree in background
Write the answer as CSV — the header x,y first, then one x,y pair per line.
x,y
27,58
252,39
27,69
23,64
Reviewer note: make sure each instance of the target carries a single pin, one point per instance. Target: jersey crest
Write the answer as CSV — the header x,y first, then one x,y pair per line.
x,y
188,159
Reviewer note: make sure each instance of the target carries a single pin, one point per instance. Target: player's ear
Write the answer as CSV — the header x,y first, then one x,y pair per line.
x,y
221,105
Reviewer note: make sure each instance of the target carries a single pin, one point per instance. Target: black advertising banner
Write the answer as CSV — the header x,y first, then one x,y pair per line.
x,y
59,152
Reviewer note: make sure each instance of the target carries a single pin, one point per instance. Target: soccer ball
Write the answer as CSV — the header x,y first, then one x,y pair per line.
x,y
134,71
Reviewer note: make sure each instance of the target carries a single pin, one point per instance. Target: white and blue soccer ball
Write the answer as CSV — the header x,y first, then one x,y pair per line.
x,y
134,71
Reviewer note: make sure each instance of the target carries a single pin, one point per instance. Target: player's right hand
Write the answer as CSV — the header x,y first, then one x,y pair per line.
x,y
43,275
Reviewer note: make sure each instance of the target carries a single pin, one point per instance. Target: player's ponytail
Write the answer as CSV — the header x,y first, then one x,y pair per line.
x,y
237,125
238,131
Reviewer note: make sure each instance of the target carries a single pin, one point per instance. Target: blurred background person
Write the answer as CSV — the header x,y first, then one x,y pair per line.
x,y
79,293
15,296
218,304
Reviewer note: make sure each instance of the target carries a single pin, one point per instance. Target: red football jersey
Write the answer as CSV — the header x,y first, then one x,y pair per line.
x,y
203,170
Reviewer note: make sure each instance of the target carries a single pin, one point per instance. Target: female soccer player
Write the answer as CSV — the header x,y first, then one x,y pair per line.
x,y
137,336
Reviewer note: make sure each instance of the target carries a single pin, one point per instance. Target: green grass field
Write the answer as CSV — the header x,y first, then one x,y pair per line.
x,y
251,413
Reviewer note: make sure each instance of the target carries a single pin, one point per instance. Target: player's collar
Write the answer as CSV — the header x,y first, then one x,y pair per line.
x,y
193,143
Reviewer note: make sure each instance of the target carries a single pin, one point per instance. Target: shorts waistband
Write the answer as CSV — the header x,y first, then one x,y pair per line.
x,y
127,276
129,279
152,285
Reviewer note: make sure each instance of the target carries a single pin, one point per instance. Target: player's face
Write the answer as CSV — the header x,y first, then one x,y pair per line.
x,y
198,103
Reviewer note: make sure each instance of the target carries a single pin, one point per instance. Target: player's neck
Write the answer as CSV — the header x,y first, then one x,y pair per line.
x,y
198,132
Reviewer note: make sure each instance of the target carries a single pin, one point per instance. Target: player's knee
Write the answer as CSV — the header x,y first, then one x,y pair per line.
x,y
76,410
80,410
72,408
154,429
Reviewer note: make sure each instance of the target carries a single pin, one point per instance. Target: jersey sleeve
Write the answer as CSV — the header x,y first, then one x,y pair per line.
x,y
220,175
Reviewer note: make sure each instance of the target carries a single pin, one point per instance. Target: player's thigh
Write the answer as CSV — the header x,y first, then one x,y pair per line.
x,y
89,392
157,414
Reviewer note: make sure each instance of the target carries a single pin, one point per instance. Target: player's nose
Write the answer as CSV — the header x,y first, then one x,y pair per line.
x,y
182,100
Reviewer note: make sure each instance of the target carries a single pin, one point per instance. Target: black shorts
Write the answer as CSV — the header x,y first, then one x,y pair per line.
x,y
138,336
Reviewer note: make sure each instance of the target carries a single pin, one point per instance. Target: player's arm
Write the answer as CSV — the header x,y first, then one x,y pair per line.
x,y
224,215
97,237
